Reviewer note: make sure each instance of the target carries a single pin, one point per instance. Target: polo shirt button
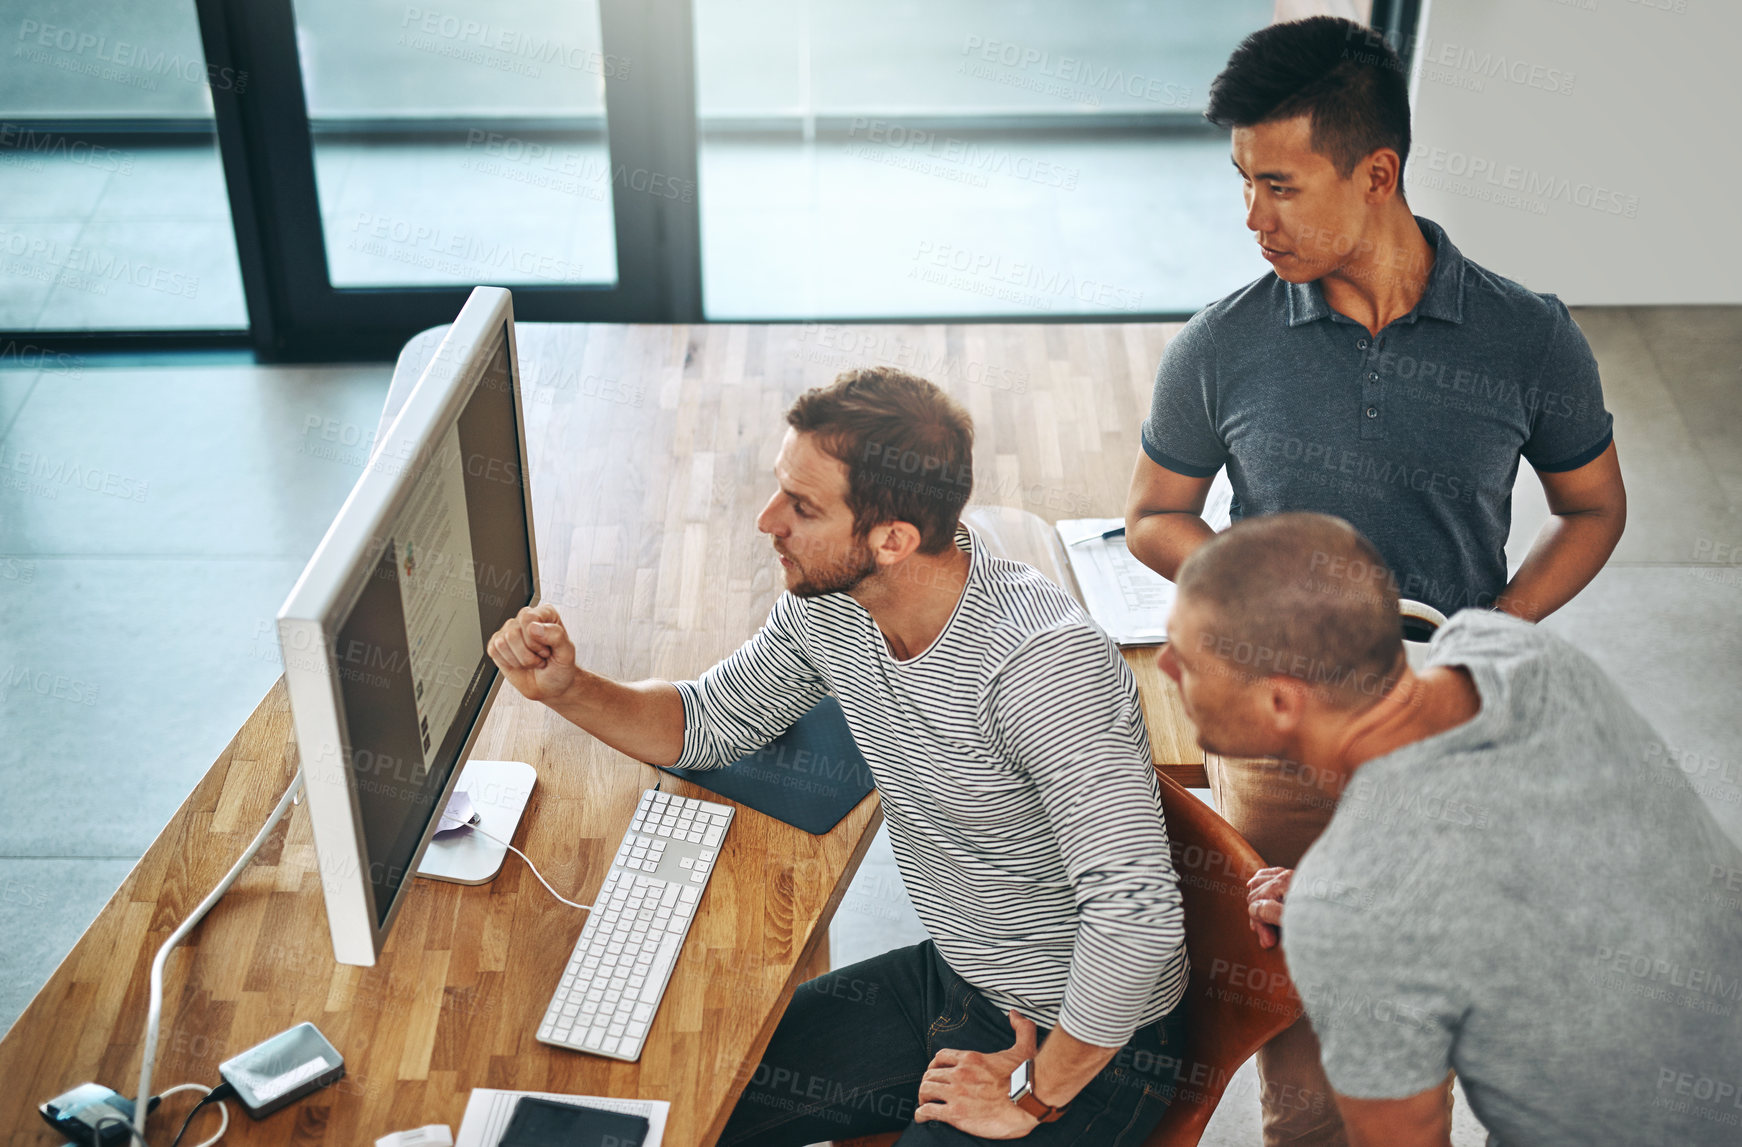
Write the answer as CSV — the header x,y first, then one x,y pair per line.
x,y
1372,412
1360,344
1372,376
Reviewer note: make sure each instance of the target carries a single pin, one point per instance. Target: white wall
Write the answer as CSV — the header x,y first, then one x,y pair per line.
x,y
1648,125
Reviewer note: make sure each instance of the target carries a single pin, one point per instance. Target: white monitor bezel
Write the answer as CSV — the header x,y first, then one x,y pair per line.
x,y
323,596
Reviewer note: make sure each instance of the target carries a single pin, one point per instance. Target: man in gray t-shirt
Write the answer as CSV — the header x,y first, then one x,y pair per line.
x,y
1519,883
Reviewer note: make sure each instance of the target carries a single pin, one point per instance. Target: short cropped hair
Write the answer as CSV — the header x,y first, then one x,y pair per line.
x,y
1299,595
908,448
1342,74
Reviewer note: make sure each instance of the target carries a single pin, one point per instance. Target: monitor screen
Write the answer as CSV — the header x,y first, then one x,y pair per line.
x,y
412,672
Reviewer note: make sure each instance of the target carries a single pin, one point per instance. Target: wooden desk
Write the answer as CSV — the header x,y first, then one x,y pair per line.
x,y
651,449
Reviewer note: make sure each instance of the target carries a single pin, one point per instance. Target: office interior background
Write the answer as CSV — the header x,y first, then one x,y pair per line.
x,y
201,295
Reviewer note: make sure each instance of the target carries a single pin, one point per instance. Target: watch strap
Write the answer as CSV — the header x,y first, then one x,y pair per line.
x,y
1031,1103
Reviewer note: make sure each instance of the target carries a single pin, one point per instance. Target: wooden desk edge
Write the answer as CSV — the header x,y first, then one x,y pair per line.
x,y
802,968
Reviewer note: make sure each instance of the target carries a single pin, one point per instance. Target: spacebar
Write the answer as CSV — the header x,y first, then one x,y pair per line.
x,y
663,957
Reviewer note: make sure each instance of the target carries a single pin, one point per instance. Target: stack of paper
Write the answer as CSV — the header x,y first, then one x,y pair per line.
x,y
1125,597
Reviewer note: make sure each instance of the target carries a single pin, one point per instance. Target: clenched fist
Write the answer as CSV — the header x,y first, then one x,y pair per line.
x,y
534,652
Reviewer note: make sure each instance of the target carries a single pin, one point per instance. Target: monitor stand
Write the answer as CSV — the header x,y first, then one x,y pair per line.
x,y
499,792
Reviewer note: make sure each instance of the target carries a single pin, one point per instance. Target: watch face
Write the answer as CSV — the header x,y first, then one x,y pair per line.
x,y
1019,1079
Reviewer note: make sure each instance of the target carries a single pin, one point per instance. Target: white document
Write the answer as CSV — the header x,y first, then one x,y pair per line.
x,y
432,544
489,1109
1125,597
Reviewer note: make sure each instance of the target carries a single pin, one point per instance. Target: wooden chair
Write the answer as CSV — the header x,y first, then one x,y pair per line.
x,y
1239,995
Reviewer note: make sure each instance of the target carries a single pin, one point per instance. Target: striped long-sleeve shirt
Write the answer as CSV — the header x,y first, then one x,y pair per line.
x,y
1014,769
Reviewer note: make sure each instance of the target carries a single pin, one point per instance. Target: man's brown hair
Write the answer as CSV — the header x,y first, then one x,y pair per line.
x,y
1299,595
908,448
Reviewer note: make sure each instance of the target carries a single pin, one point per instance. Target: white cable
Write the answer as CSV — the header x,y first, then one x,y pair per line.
x,y
223,1110
534,867
154,1011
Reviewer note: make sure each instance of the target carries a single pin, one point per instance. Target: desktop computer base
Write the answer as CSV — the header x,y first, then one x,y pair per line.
x,y
499,792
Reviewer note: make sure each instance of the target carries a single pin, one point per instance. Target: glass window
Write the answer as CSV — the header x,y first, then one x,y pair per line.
x,y
113,211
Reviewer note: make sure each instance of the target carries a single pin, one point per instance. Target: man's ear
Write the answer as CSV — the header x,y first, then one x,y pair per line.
x,y
1381,171
893,542
1288,700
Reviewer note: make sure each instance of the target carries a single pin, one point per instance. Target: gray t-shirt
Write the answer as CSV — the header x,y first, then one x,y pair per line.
x,y
1413,434
1538,899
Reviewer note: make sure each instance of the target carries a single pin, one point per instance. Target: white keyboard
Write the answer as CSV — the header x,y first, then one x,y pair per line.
x,y
617,975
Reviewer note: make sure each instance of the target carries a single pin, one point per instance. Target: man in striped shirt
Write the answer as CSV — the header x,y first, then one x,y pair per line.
x,y
1005,736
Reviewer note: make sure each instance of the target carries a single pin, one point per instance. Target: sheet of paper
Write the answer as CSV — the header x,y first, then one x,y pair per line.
x,y
1125,597
432,543
489,1109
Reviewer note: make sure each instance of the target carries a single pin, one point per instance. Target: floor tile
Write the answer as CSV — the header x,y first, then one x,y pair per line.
x,y
45,906
451,213
1674,496
876,915
1698,351
128,677
218,462
49,186
15,384
177,182
147,274
33,258
1670,634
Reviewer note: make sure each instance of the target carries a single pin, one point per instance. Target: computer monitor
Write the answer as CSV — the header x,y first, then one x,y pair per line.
x,y
383,635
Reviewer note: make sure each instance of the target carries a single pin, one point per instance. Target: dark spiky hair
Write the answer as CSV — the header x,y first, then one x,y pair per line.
x,y
1342,74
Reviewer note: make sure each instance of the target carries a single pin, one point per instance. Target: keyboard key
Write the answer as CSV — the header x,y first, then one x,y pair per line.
x,y
686,862
687,894
698,877
712,836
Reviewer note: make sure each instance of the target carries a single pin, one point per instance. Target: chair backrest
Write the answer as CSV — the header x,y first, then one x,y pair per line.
x,y
1239,995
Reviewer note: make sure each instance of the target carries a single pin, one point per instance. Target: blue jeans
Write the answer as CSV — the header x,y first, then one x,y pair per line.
x,y
852,1046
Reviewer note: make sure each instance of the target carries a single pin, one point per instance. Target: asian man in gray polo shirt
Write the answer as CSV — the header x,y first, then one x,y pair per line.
x,y
1378,375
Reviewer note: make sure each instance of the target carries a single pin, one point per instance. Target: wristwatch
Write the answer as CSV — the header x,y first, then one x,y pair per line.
x,y
1022,1094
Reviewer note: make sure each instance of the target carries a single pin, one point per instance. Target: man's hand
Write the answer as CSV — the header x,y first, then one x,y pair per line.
x,y
535,653
970,1090
1264,895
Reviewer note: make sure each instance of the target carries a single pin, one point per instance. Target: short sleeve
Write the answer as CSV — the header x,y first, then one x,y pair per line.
x,y
1385,1016
1180,433
1569,426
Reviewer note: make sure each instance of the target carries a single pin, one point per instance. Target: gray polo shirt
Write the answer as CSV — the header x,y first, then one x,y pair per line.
x,y
1413,435
1537,898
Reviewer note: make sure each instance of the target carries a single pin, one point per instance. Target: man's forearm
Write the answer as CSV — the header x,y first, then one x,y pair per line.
x,y
1163,541
643,719
1065,1065
1567,554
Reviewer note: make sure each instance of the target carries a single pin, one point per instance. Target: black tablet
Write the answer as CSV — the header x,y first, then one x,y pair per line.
x,y
544,1123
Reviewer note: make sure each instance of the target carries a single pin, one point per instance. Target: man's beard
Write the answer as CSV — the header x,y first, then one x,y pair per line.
x,y
836,577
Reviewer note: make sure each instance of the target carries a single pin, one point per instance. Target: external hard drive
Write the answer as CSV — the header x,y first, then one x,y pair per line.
x,y
283,1069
